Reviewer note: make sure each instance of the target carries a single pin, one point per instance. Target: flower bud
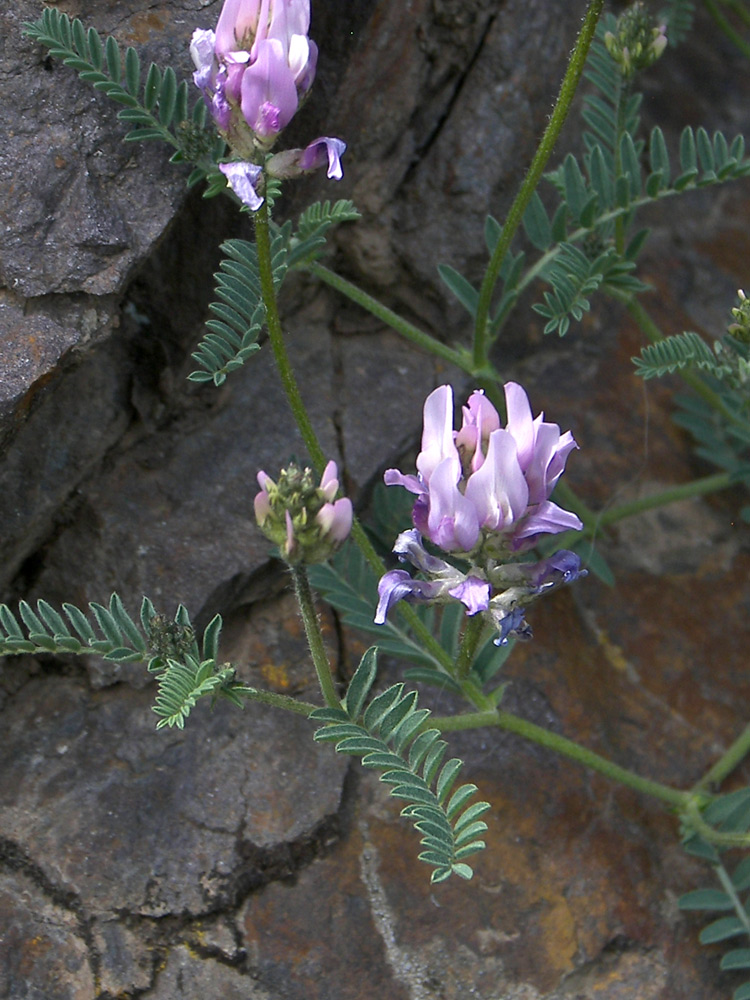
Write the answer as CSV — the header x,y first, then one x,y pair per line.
x,y
303,519
636,42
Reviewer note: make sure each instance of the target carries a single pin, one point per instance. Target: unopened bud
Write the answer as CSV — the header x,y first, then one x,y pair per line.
x,y
303,519
636,42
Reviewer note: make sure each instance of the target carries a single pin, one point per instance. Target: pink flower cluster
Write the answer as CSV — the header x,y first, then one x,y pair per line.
x,y
483,492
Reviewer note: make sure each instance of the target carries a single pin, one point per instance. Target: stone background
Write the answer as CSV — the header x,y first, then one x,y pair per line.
x,y
236,859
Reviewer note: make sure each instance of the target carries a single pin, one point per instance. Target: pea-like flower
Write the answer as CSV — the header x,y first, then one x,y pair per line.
x,y
254,72
306,521
256,68
482,493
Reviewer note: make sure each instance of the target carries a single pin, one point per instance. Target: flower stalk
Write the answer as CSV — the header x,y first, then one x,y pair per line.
x,y
544,151
314,635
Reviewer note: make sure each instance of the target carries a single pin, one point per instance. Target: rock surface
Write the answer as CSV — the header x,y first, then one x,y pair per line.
x,y
237,858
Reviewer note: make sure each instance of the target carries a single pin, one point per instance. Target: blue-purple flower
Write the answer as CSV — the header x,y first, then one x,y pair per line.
x,y
482,492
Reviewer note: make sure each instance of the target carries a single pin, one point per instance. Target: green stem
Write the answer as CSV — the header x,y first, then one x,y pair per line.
x,y
277,700
544,151
727,28
407,330
308,434
276,337
696,488
314,635
469,642
567,748
730,759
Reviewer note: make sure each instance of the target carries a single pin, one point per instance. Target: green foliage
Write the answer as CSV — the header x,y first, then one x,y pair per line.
x,y
185,673
583,239
158,109
239,315
678,16
390,736
574,277
169,647
685,350
108,632
306,243
729,815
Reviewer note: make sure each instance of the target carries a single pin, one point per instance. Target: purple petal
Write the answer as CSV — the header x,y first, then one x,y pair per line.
x,y
336,519
452,518
202,49
242,179
498,490
562,567
269,94
437,436
474,593
545,519
396,585
409,546
480,419
322,150
392,477
511,625
329,482
237,24
520,422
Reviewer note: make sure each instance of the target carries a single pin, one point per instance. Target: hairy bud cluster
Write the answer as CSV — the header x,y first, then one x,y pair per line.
x,y
637,42
303,519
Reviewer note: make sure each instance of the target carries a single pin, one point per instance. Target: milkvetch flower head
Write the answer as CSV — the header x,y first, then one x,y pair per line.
x,y
306,521
482,493
254,72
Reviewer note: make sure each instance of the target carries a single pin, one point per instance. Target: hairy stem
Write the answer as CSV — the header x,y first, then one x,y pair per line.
x,y
469,642
392,319
314,449
314,635
277,700
276,337
567,748
730,759
544,151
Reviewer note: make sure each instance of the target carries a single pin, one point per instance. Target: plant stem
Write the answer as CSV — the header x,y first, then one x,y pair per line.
x,y
407,330
730,759
469,642
727,28
276,337
277,700
314,636
294,398
544,151
567,748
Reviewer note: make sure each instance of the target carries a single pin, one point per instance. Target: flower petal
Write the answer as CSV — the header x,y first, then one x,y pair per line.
x,y
396,585
242,179
472,592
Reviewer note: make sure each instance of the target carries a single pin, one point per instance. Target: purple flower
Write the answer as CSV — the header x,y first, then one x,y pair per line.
x,y
484,485
295,162
243,178
483,491
256,68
